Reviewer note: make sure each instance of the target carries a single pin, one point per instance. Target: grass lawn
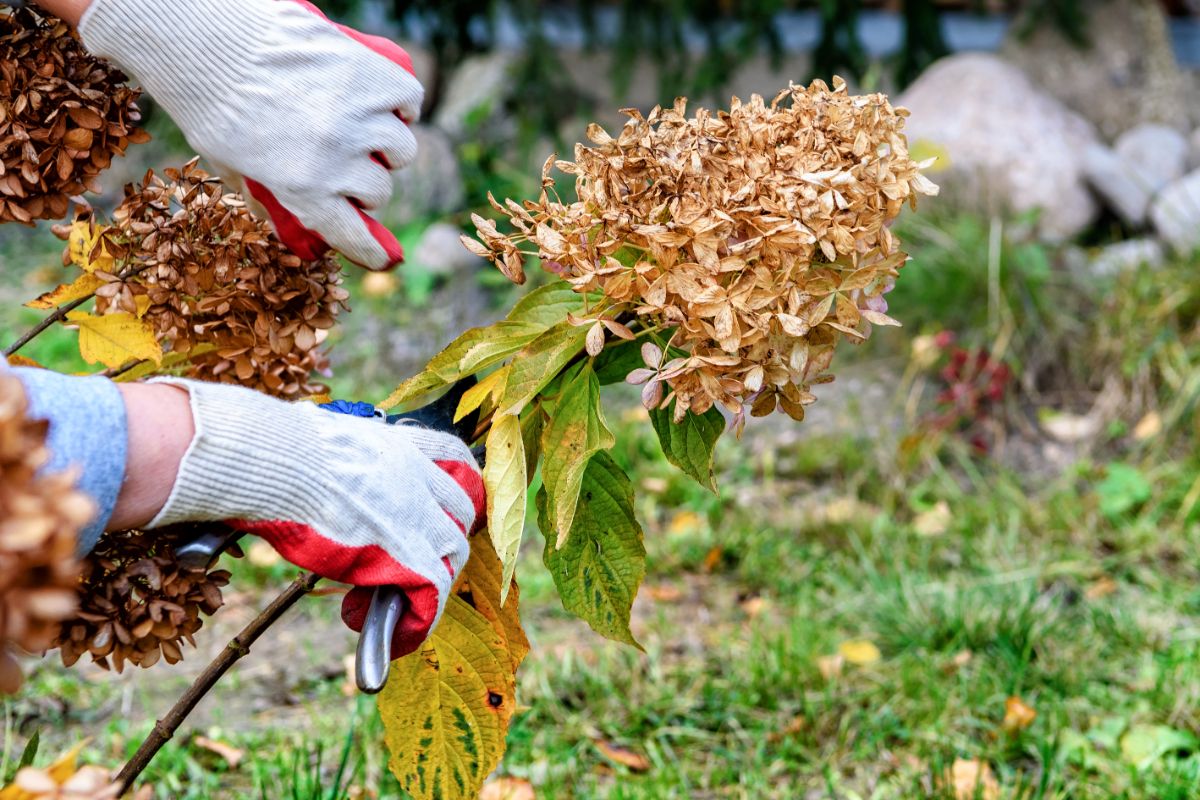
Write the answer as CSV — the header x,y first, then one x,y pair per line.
x,y
851,617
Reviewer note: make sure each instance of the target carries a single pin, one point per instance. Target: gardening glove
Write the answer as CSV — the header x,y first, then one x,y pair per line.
x,y
306,116
353,500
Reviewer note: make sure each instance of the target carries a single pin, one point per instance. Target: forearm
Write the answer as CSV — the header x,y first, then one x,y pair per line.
x,y
126,442
160,430
68,10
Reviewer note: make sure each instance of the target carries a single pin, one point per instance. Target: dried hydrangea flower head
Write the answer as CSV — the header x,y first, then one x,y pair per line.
x,y
759,236
208,274
64,115
40,519
137,604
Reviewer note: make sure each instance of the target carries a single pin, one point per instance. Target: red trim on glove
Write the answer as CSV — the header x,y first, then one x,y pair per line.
x,y
383,46
471,482
302,241
365,567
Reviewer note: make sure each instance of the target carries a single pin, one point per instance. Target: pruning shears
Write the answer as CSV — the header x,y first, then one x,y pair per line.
x,y
387,602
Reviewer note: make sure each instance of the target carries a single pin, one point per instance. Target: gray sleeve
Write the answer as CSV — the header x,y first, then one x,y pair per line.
x,y
88,431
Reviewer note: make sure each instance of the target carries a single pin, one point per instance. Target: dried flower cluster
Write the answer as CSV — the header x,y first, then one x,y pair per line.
x,y
40,518
192,260
137,604
64,115
758,235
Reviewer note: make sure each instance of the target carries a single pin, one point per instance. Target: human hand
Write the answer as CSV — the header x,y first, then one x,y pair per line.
x,y
307,117
353,500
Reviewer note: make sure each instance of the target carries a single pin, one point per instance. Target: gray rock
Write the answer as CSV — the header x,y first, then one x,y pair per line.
x,y
1128,255
1118,183
479,87
1126,75
1157,153
432,185
1175,213
1194,150
1010,146
424,67
441,253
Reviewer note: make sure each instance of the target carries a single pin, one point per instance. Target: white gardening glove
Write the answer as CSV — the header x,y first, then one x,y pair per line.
x,y
351,499
306,116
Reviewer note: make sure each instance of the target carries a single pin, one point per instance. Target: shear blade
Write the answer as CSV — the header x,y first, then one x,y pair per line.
x,y
374,654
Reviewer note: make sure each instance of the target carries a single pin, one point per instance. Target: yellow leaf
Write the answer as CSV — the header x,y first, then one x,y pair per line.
x,y
142,304
480,580
924,149
504,478
58,772
82,287
81,244
1017,715
169,361
478,394
859,651
446,708
115,339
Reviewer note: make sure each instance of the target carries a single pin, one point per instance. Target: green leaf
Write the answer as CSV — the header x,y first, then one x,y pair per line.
x,y
538,364
473,351
575,433
533,420
504,480
547,305
1123,489
689,444
616,361
599,568
30,751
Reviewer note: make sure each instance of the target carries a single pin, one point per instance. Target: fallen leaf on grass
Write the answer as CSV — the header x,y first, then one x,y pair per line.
x,y
958,661
830,666
684,522
859,652
1018,715
636,762
933,521
1148,427
712,559
261,554
665,593
794,726
1101,587
754,606
507,789
379,284
228,753
972,779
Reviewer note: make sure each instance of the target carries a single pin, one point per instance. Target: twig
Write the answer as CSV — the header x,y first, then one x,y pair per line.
x,y
57,315
165,728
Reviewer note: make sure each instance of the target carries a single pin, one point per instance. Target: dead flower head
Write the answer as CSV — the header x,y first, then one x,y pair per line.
x,y
40,519
214,282
757,236
137,604
64,115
